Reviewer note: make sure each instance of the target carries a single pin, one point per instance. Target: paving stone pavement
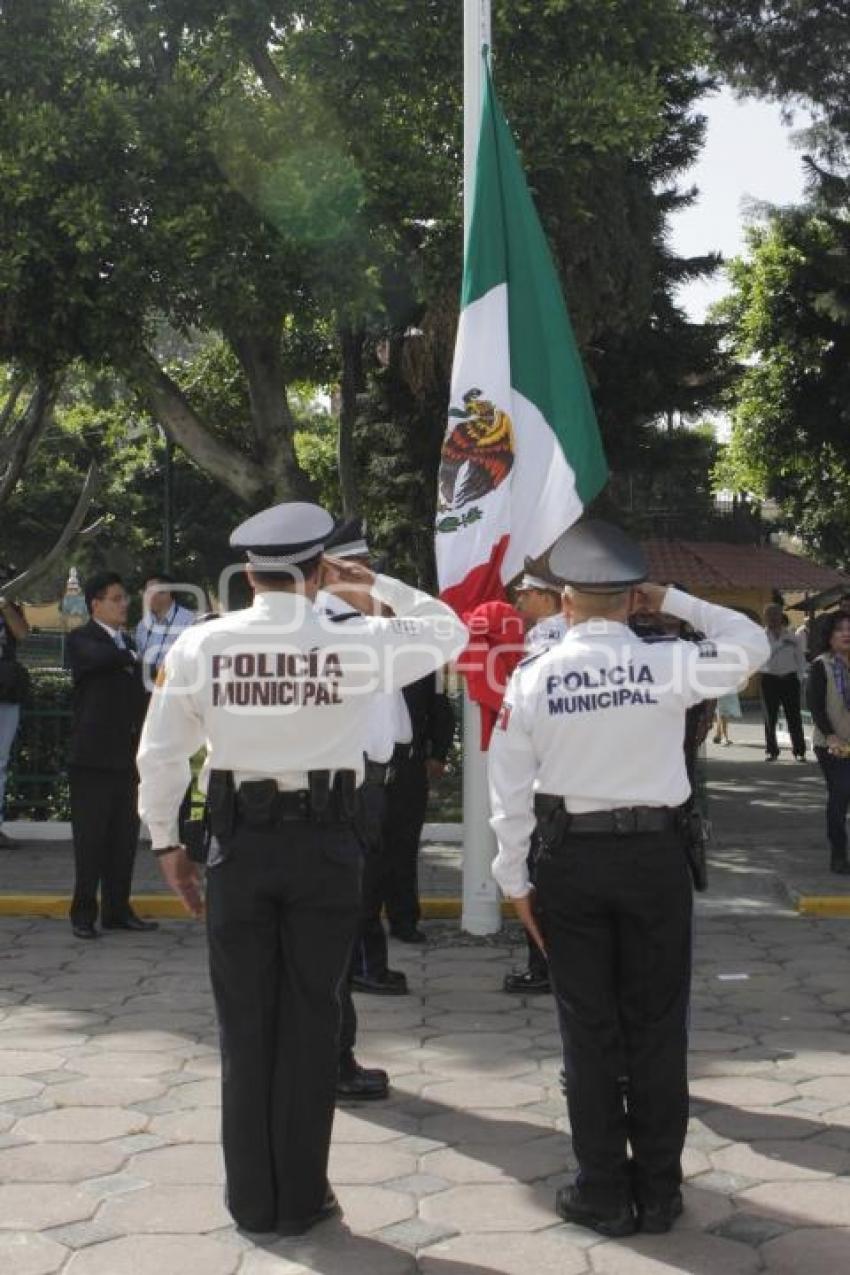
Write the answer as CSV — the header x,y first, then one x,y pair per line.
x,y
109,1155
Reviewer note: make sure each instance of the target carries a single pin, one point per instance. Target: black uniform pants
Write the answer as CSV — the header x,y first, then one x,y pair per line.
x,y
782,692
282,911
371,951
105,828
407,800
617,923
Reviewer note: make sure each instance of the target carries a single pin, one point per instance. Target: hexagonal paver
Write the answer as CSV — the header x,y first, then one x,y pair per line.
x,y
674,1253
490,1208
201,1125
746,1123
177,1210
59,1162
833,1089
183,1165
82,1124
354,1164
551,1253
499,1124
349,1127
333,1250
106,1091
808,1203
780,1161
28,1207
497,1162
741,1091
27,1254
14,1088
474,1094
370,1208
807,1250
157,1255
20,1062
121,1065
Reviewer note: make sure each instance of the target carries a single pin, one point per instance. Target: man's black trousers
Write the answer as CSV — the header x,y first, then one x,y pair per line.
x,y
782,692
282,912
617,925
105,828
407,801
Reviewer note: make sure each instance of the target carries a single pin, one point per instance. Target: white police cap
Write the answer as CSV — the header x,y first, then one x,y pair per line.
x,y
348,540
597,557
284,535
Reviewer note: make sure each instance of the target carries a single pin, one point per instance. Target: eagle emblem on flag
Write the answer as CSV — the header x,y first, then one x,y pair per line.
x,y
478,453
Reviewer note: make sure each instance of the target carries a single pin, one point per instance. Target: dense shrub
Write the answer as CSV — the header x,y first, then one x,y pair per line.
x,y
38,778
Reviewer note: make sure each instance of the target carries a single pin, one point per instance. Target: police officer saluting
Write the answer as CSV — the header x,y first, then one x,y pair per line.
x,y
590,741
280,699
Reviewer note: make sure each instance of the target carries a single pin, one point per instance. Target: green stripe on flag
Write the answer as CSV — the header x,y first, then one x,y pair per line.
x,y
507,246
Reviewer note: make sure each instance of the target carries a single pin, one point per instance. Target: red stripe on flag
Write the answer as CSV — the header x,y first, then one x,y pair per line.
x,y
482,584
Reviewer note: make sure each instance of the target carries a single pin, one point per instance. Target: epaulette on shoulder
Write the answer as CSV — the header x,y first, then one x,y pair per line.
x,y
205,618
346,615
707,650
534,655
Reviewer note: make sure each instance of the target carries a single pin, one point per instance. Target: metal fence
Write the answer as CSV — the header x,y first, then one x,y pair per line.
x,y
38,774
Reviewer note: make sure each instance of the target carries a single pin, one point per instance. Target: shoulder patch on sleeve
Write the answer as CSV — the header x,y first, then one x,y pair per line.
x,y
535,655
504,717
707,650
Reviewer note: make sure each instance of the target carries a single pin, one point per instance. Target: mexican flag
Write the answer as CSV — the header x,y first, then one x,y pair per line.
x,y
522,456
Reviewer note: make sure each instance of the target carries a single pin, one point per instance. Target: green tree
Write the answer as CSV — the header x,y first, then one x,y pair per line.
x,y
790,322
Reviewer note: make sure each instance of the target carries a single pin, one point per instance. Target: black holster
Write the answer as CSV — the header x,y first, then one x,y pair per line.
x,y
553,822
695,836
220,810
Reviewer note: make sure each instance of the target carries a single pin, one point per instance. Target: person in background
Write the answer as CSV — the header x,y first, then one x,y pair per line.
x,y
781,679
13,629
108,710
829,703
727,706
538,600
162,622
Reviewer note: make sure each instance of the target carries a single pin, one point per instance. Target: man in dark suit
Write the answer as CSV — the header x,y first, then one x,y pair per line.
x,y
109,707
432,727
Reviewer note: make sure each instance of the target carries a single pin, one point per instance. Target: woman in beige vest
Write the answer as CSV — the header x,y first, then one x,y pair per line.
x,y
829,701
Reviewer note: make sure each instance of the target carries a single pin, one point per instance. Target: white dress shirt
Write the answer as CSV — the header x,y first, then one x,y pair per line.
x,y
599,719
277,690
786,654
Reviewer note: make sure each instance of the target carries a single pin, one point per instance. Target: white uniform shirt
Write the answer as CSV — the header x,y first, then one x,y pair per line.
x,y
379,736
599,719
546,632
786,654
276,690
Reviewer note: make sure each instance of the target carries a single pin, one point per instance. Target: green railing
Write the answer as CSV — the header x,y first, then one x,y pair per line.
x,y
38,774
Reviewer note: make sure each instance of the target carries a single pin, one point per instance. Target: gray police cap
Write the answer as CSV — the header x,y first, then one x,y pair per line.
x,y
597,557
284,535
348,540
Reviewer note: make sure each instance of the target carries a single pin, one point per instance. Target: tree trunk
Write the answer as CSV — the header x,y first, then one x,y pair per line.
x,y
168,404
20,441
261,357
351,347
72,528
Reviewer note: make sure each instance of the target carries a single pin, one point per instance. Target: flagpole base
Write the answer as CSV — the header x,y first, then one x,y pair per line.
x,y
481,913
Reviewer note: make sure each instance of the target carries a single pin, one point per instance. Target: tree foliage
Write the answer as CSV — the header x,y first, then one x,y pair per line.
x,y
790,322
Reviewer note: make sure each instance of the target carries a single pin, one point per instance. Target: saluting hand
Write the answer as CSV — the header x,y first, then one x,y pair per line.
x,y
648,596
524,911
183,877
350,581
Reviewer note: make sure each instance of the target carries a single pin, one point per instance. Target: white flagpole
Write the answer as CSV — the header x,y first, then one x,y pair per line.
x,y
481,912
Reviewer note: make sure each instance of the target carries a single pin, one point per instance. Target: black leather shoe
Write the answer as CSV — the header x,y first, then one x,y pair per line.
x,y
409,934
613,1223
84,930
526,983
362,1084
298,1226
771,756
657,1219
390,983
131,923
